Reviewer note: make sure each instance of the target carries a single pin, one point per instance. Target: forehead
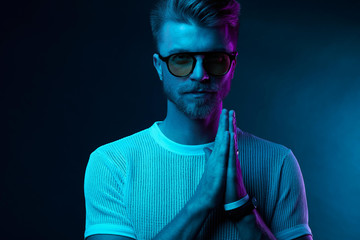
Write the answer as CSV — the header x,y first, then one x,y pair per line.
x,y
179,37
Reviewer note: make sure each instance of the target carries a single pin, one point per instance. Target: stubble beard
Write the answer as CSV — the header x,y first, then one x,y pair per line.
x,y
197,108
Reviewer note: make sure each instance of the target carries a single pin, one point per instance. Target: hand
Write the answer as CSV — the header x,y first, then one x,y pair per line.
x,y
213,182
235,188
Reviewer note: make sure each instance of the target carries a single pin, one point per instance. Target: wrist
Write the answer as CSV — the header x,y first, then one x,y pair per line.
x,y
239,209
241,190
236,204
204,197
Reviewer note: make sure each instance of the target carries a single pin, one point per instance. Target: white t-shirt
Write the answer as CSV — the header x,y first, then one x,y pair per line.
x,y
136,185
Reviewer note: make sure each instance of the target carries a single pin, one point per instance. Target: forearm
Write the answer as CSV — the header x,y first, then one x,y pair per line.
x,y
188,222
252,227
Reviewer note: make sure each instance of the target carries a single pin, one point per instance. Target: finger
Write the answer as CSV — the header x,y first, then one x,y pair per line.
x,y
207,152
231,121
232,158
233,128
225,121
235,132
233,146
221,128
231,179
224,152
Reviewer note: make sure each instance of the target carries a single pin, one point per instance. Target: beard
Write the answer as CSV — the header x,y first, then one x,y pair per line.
x,y
193,108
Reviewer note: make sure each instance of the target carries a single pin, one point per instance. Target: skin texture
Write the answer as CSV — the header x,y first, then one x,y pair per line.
x,y
198,117
235,188
183,36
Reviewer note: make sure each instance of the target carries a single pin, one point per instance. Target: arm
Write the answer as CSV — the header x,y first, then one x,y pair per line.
x,y
248,220
107,237
305,237
103,191
188,222
251,227
209,193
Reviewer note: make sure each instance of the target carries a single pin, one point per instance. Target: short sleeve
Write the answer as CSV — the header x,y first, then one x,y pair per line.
x,y
290,219
104,197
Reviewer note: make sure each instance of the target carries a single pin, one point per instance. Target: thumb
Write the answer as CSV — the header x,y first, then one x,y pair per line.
x,y
208,152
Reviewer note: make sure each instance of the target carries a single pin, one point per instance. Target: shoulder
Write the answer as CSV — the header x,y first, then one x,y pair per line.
x,y
263,148
122,145
118,151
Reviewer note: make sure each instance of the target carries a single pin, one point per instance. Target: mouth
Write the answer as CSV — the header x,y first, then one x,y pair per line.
x,y
200,94
201,91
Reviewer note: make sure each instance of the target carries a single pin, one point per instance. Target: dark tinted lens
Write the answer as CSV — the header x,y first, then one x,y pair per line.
x,y
180,64
217,63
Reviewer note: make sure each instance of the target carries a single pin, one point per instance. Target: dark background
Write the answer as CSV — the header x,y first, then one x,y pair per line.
x,y
75,75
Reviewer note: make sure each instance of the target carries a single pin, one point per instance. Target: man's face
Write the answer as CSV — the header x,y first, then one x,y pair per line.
x,y
181,37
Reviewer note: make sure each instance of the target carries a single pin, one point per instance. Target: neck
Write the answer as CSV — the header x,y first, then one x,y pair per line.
x,y
181,129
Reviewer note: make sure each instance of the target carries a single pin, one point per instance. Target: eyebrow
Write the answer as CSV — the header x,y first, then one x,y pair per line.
x,y
179,50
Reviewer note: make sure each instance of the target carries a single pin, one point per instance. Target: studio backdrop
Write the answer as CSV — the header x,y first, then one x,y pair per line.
x,y
78,74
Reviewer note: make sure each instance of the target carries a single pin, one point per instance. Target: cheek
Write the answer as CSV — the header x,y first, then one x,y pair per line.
x,y
171,83
225,87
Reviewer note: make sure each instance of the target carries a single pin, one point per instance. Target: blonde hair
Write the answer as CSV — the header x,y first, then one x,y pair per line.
x,y
206,13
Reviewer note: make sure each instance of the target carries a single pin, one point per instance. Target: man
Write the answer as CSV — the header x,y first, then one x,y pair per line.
x,y
195,175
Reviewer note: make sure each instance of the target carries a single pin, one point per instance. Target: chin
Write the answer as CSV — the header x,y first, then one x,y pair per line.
x,y
199,109
199,112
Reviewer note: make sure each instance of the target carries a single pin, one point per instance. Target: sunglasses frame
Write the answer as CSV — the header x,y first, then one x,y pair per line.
x,y
231,55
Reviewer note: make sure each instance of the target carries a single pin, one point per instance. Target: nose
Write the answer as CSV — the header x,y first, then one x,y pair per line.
x,y
199,73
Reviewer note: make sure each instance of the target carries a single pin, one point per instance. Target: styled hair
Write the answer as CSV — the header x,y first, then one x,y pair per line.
x,y
205,13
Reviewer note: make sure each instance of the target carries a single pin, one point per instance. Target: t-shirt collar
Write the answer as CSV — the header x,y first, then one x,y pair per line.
x,y
170,145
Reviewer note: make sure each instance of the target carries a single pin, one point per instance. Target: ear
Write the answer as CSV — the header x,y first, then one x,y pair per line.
x,y
232,69
157,64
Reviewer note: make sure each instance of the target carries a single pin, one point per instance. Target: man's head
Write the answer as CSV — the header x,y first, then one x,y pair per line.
x,y
198,27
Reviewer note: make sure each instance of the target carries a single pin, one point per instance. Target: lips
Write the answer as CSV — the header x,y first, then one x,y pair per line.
x,y
200,94
202,91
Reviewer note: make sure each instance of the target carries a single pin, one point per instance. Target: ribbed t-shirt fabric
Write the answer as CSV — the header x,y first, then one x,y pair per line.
x,y
136,185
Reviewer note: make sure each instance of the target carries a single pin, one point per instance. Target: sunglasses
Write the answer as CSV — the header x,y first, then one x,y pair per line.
x,y
214,63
